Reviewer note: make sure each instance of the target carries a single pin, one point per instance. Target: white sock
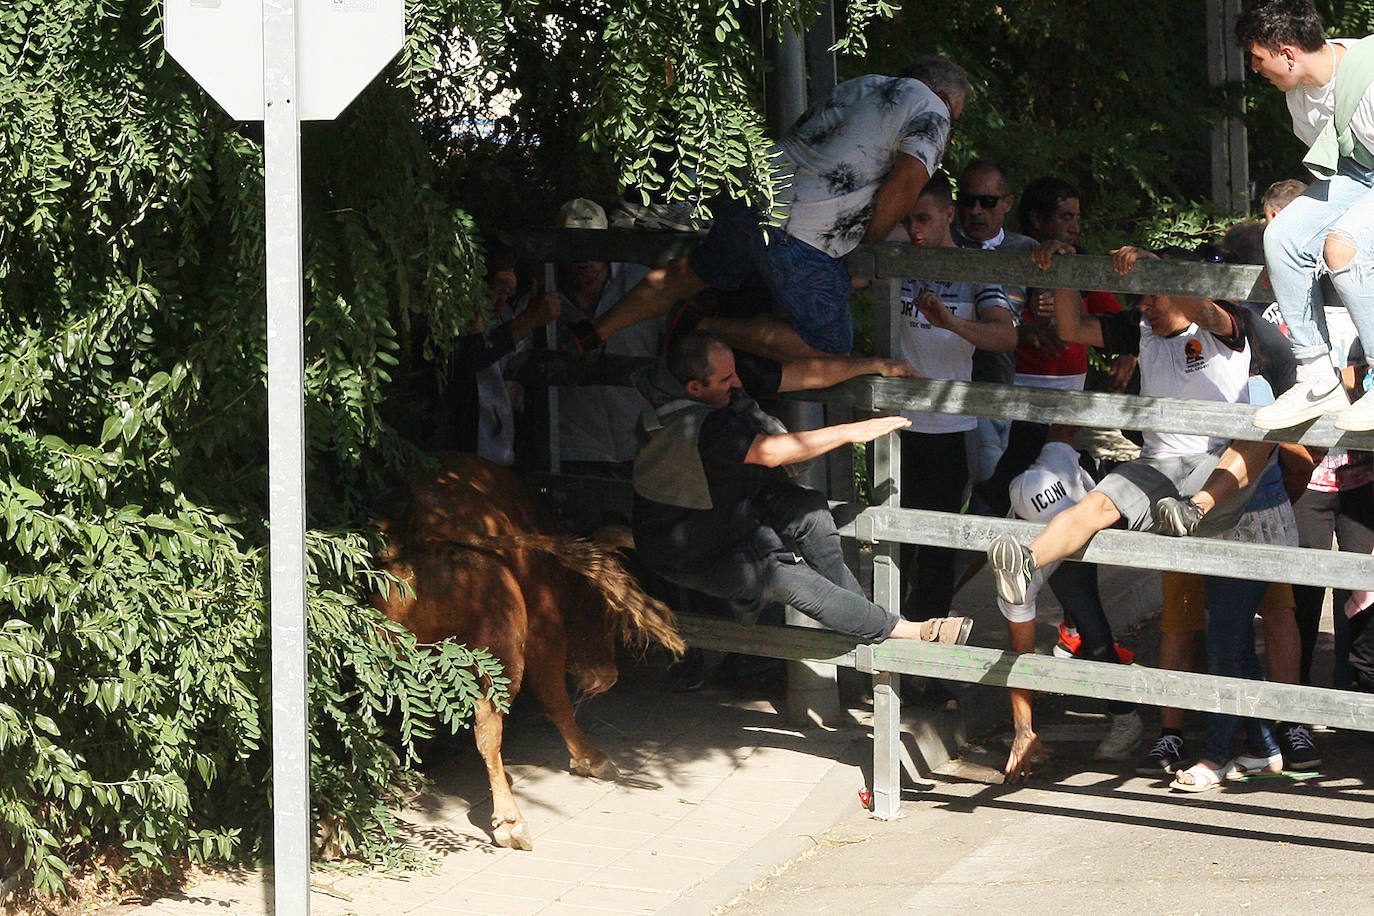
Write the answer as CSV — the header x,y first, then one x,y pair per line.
x,y
1071,631
1317,369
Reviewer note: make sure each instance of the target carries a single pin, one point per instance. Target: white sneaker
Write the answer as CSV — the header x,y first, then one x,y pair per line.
x,y
1358,417
1123,739
1012,567
1306,400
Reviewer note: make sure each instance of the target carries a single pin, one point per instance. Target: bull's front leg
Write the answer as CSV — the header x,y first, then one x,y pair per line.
x,y
508,825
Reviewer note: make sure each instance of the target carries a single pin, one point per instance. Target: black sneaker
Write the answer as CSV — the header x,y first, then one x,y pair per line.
x,y
1163,758
1299,753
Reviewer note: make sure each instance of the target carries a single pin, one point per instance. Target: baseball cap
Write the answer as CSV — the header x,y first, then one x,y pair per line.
x,y
581,213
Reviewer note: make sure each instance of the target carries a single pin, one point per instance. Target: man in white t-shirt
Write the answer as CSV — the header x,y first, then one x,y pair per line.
x,y
848,171
1329,229
1188,348
940,323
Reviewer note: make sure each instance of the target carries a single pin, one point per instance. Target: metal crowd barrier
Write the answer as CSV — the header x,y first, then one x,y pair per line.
x,y
888,525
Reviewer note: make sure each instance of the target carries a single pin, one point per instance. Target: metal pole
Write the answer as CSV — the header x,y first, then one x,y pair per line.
x,y
1230,146
812,691
820,38
286,461
887,577
787,88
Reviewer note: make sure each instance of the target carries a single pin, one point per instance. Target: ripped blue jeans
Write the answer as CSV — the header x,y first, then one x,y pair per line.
x,y
1294,246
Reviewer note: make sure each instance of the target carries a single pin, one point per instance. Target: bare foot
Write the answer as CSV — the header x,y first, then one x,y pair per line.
x,y
1025,750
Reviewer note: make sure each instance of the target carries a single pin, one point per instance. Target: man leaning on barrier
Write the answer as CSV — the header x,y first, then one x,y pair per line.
x,y
1188,348
715,507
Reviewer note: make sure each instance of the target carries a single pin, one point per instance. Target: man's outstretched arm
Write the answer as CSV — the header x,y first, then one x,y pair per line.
x,y
897,197
823,371
789,448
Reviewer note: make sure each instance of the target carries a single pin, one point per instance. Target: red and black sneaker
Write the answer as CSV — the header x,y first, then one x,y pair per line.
x,y
1070,645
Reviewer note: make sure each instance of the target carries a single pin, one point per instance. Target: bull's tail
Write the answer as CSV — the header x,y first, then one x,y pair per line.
x,y
639,617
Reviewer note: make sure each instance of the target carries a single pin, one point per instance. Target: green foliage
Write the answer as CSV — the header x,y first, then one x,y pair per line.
x,y
653,98
1113,98
133,643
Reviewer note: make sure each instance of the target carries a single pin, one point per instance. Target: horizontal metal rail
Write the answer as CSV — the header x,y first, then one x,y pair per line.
x,y
1075,677
1099,410
1083,408
1014,268
1204,556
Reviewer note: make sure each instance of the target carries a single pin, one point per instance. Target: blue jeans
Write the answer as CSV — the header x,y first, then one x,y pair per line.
x,y
809,286
1293,250
1231,607
814,579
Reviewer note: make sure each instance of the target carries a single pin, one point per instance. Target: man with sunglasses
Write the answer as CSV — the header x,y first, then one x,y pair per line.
x,y
984,200
848,171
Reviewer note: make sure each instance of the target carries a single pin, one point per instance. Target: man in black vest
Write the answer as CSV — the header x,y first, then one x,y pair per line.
x,y
715,508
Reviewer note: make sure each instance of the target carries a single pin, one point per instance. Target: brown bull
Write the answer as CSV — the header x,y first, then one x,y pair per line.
x,y
488,566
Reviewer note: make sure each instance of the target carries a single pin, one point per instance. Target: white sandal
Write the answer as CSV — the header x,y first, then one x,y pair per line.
x,y
1204,778
1250,765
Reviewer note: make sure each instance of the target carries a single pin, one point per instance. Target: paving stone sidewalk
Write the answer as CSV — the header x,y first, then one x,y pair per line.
x,y
714,790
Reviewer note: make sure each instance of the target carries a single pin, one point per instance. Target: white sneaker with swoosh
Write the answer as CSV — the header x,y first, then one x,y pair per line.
x,y
1307,400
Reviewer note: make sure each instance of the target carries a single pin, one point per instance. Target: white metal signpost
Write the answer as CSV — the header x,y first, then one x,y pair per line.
x,y
282,62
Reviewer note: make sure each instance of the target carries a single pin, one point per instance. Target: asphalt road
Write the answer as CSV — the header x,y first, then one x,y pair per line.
x,y
1087,837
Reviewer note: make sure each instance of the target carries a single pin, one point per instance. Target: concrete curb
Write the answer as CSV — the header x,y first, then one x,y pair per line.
x,y
834,797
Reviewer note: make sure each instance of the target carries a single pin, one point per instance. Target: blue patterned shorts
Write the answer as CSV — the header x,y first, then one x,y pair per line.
x,y
810,288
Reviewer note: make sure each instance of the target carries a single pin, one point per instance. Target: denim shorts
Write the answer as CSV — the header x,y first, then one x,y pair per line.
x,y
810,289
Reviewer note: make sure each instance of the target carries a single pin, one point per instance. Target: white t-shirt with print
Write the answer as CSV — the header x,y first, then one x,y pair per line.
x,y
1190,364
840,151
938,353
1313,106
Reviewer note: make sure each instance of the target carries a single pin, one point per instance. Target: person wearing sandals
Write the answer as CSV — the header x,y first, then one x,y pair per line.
x,y
715,507
1231,606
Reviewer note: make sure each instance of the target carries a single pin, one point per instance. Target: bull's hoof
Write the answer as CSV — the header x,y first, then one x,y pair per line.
x,y
603,770
513,836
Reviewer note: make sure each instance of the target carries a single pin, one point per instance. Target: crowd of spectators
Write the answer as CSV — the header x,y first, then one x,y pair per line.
x,y
718,506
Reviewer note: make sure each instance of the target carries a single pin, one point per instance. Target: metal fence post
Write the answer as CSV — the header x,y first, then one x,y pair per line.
x,y
887,577
291,832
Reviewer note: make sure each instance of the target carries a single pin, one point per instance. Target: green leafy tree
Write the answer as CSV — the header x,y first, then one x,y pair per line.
x,y
133,484
133,457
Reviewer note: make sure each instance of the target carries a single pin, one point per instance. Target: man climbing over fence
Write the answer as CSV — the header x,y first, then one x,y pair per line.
x,y
848,171
1188,348
716,509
